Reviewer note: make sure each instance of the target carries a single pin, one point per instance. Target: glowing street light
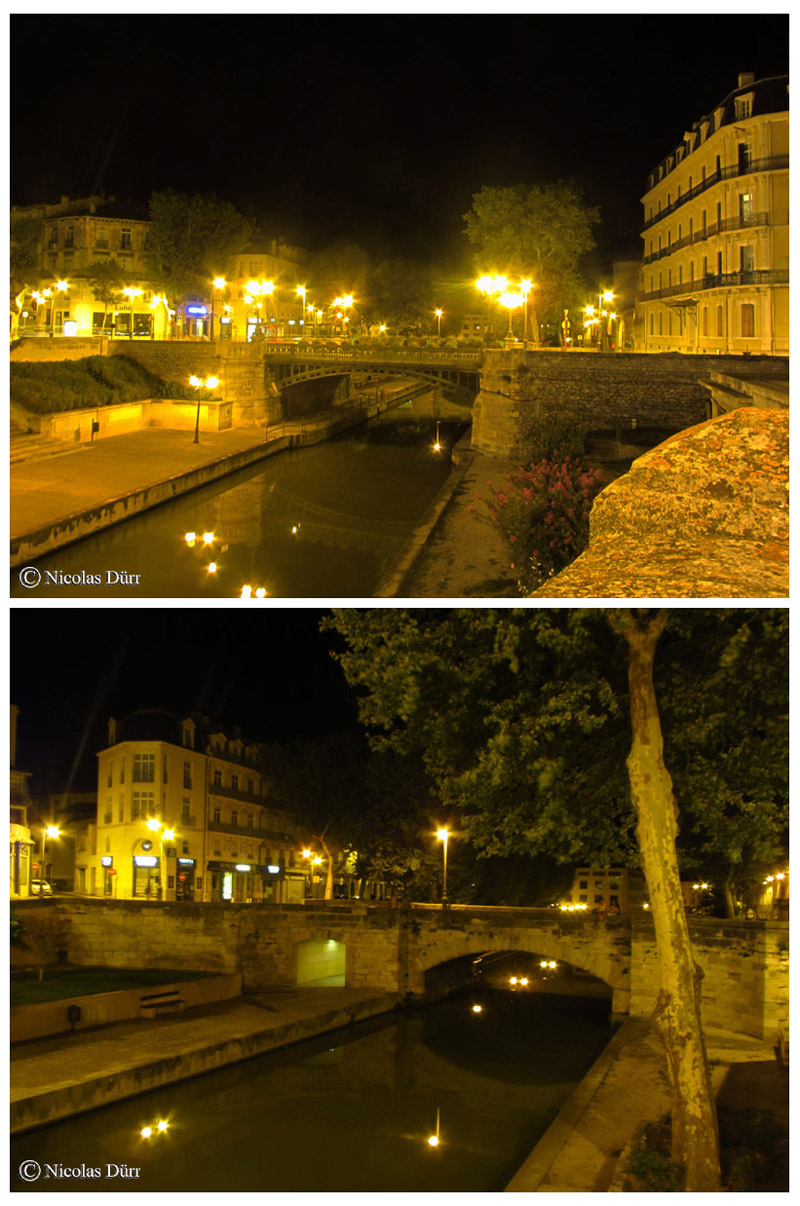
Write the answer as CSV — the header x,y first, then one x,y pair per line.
x,y
48,831
511,301
131,292
443,835
525,286
437,447
438,314
198,383
58,287
301,291
217,285
433,1140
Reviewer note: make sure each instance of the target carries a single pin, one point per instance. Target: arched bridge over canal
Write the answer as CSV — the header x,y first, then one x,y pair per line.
x,y
745,964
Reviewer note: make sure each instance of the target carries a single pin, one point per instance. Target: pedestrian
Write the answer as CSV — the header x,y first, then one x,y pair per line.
x,y
601,909
613,908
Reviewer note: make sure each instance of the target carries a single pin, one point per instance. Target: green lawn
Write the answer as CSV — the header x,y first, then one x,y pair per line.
x,y
85,981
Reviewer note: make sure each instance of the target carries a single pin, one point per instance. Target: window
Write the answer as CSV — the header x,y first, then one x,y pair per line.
x,y
748,320
126,240
743,107
143,805
53,239
720,320
669,322
661,324
144,768
217,816
234,817
164,770
187,774
745,207
747,259
745,151
719,263
101,235
69,237
110,769
185,811
250,786
705,320
235,782
250,821
582,898
122,770
583,884
652,320
218,778
121,807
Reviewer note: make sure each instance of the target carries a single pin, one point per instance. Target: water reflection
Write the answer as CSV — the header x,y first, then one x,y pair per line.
x,y
316,522
353,1111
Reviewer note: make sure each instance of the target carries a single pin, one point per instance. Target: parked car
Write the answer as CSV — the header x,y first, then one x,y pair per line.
x,y
40,887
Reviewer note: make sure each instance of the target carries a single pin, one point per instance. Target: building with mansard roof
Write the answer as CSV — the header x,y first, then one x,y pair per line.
x,y
715,270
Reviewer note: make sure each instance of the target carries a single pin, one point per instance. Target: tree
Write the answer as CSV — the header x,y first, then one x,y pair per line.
x,y
25,260
192,239
45,936
539,232
401,294
523,720
340,269
106,279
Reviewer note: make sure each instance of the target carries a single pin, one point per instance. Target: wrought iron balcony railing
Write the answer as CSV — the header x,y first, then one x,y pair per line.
x,y
774,163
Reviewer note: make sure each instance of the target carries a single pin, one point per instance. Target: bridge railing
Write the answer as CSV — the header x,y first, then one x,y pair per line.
x,y
438,356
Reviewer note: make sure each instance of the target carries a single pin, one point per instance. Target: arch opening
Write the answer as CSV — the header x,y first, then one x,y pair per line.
x,y
320,963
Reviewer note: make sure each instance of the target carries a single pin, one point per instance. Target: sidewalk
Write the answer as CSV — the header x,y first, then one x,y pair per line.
x,y
66,1074
583,1149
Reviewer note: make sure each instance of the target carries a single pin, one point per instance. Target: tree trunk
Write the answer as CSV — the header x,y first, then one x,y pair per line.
x,y
727,887
695,1138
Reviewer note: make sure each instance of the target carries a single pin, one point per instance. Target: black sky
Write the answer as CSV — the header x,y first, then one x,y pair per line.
x,y
376,129
268,670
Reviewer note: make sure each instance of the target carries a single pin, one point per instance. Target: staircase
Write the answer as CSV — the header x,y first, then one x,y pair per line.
x,y
30,446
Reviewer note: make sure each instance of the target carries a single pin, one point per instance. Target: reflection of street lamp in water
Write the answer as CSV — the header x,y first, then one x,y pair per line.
x,y
433,1140
442,835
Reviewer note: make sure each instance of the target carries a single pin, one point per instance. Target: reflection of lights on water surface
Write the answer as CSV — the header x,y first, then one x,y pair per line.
x,y
158,1128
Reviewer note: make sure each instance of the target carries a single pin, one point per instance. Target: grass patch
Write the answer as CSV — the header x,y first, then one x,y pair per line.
x,y
87,981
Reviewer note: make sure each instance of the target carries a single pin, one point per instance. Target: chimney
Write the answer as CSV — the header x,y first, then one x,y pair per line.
x,y
745,78
112,731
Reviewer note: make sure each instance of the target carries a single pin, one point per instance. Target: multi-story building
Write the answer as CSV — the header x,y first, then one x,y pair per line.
x,y
183,814
715,272
612,885
81,233
19,801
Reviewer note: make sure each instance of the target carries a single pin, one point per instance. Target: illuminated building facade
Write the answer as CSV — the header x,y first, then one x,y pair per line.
x,y
614,885
182,815
20,834
715,272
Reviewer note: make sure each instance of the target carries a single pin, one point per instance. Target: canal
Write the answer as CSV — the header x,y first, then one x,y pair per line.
x,y
317,522
350,1111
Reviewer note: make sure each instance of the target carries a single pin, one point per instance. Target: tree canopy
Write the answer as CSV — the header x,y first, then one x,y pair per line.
x,y
192,239
401,294
535,231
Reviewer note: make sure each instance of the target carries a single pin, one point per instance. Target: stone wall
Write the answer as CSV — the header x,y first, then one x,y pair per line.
x,y
605,390
745,969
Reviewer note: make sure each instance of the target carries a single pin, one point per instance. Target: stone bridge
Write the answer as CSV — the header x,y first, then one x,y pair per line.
x,y
745,964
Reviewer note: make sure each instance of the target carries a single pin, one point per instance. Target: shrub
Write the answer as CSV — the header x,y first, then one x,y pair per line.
x,y
650,1162
542,516
63,385
45,936
551,436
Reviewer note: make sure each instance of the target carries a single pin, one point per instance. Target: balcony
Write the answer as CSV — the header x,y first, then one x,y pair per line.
x,y
708,232
762,276
233,793
774,164
261,835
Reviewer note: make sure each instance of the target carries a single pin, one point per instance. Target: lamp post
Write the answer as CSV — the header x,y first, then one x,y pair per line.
x,y
48,831
301,291
131,292
438,314
443,835
220,283
345,303
59,287
164,834
605,296
198,383
512,302
525,288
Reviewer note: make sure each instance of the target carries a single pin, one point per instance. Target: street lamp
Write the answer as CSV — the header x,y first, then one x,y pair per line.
x,y
131,292
301,290
438,314
525,288
59,287
220,283
345,303
605,295
443,835
198,383
164,834
48,831
512,302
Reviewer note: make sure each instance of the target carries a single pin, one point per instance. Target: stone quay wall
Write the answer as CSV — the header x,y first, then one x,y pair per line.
x,y
745,967
613,390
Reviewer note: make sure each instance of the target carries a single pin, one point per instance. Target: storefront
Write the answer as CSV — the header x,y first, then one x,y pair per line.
x,y
146,879
185,879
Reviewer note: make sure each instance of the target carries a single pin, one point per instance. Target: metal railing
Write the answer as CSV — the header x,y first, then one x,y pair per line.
x,y
708,232
760,276
389,355
268,835
772,164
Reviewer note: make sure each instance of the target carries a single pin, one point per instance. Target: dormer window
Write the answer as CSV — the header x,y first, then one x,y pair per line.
x,y
743,107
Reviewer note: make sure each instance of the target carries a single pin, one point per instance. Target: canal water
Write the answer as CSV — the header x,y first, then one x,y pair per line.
x,y
351,1111
325,521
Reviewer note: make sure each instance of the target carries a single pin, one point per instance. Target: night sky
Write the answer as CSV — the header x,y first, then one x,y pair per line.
x,y
373,129
269,671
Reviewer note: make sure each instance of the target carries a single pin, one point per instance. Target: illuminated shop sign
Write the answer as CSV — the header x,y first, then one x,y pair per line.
x,y
197,310
242,866
145,860
107,860
186,862
273,870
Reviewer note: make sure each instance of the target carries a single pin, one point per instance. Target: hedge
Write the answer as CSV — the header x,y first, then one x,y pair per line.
x,y
46,387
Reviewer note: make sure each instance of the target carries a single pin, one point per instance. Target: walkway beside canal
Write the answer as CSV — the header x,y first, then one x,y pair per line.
x,y
66,1074
61,498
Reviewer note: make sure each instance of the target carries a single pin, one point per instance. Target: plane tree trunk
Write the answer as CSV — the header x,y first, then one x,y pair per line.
x,y
695,1136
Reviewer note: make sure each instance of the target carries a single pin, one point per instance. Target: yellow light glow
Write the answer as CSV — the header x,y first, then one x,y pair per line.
x,y
62,285
438,313
208,537
260,593
477,1009
316,860
513,980
552,963
195,381
52,831
646,905
437,447
212,567
212,382
608,295
543,963
219,282
169,835
780,875
526,285
589,311
162,1124
382,328
511,301
246,592
524,981
704,886
442,834
146,1132
153,823
306,854
434,1140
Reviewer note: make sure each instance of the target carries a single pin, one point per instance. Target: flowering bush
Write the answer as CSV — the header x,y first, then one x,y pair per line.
x,y
542,516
